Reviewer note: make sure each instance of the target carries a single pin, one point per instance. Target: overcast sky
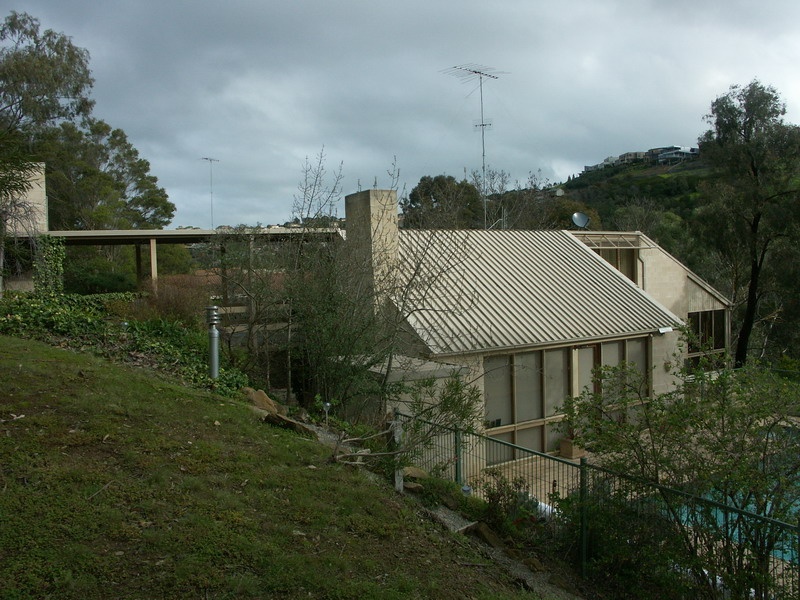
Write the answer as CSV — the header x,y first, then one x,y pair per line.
x,y
261,85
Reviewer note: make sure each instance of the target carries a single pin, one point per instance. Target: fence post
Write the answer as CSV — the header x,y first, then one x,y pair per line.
x,y
458,454
584,494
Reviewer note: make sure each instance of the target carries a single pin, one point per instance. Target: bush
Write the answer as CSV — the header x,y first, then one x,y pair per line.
x,y
45,316
182,298
630,552
97,322
510,506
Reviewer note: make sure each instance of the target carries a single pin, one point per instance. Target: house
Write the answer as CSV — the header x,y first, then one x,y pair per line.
x,y
677,154
528,314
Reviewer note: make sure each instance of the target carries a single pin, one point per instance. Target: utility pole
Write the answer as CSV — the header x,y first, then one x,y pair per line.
x,y
211,162
466,73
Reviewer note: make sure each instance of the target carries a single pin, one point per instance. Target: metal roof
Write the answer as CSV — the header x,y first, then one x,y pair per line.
x,y
471,291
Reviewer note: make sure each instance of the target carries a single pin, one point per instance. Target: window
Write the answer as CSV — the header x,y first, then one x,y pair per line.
x,y
623,259
524,392
497,390
708,335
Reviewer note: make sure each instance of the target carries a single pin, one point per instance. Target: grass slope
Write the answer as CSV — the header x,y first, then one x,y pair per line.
x,y
117,484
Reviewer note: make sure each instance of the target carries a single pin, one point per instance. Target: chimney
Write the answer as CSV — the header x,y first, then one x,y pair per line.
x,y
372,233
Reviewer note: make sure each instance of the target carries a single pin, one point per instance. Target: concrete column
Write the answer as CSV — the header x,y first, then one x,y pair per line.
x,y
154,265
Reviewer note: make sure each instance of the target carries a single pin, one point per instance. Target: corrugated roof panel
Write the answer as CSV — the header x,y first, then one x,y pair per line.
x,y
475,290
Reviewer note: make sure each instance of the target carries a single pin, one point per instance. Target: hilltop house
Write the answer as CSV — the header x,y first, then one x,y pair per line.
x,y
527,315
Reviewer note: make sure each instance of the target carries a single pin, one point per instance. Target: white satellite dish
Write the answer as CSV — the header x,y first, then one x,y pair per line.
x,y
580,219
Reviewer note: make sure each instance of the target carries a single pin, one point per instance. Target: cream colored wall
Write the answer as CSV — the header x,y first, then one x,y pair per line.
x,y
672,285
666,356
36,198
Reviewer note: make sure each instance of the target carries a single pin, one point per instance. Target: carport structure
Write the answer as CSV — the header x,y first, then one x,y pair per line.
x,y
140,238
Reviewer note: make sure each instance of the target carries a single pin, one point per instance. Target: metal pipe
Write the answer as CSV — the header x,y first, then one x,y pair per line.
x,y
213,319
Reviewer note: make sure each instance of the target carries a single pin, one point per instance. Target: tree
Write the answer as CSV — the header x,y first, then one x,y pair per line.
x,y
43,78
442,202
97,180
728,437
325,319
751,209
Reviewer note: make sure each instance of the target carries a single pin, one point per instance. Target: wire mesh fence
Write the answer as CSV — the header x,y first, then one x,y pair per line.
x,y
703,545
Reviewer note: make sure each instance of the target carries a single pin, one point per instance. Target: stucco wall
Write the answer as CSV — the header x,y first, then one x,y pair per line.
x,y
672,285
36,199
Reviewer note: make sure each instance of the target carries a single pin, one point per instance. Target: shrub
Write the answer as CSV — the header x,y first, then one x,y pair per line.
x,y
180,297
630,552
42,317
96,322
510,506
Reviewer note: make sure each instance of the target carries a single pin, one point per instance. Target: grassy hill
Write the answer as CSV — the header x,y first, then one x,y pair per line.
x,y
672,188
118,484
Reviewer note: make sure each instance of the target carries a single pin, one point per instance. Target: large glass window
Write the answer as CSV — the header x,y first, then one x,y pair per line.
x,y
636,353
497,390
623,259
708,330
524,392
708,334
587,359
612,353
556,379
528,386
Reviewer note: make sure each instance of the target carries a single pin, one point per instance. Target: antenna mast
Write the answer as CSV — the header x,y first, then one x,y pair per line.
x,y
467,73
211,162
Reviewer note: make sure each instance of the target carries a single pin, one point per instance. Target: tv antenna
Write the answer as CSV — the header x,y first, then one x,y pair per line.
x,y
471,72
211,162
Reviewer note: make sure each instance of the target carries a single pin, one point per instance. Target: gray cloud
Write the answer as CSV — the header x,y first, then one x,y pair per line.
x,y
262,85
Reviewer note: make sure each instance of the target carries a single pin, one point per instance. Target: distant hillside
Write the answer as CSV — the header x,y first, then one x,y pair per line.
x,y
672,187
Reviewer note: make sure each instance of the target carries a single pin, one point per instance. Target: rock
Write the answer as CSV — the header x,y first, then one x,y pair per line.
x,y
413,487
483,532
288,423
415,473
514,554
452,520
259,399
534,564
451,502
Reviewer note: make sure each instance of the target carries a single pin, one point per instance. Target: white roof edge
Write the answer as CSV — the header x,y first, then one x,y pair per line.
x,y
554,345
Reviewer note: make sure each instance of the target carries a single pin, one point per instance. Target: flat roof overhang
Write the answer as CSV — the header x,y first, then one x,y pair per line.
x,y
112,237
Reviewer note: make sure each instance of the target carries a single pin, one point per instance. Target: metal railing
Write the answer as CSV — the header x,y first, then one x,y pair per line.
x,y
728,550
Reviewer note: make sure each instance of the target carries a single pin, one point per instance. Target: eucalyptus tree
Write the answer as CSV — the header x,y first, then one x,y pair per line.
x,y
44,78
750,210
443,202
98,180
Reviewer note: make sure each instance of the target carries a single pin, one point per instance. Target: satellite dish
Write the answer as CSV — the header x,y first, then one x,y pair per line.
x,y
580,219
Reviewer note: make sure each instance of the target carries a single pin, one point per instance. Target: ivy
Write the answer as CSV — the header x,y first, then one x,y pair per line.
x,y
48,266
